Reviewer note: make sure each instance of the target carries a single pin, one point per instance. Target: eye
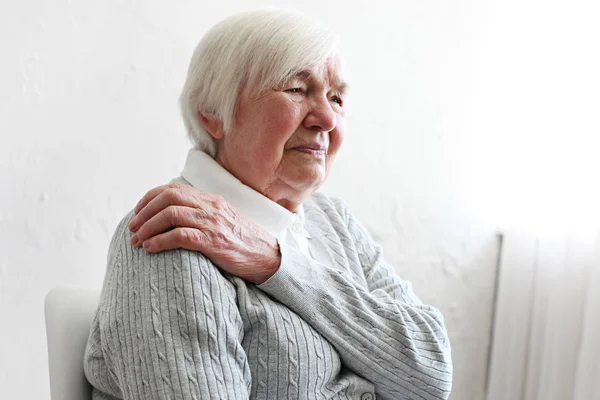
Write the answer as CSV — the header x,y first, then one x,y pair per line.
x,y
337,99
293,90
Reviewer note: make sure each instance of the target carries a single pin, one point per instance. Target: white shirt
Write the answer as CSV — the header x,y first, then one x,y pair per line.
x,y
204,173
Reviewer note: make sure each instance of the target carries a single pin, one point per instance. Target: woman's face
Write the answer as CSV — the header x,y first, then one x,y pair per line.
x,y
284,141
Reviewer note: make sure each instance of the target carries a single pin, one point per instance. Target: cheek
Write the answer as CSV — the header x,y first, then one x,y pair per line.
x,y
289,115
283,123
276,129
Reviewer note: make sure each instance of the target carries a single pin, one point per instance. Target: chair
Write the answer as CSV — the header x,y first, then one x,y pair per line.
x,y
69,313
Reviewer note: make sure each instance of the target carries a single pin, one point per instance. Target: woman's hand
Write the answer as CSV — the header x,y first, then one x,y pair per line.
x,y
181,216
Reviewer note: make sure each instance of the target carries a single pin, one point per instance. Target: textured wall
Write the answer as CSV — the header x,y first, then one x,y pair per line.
x,y
89,106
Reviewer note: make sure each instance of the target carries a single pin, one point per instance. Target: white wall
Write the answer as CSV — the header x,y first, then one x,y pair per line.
x,y
541,65
89,122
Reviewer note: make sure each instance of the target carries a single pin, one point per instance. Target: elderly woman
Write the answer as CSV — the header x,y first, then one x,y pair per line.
x,y
239,280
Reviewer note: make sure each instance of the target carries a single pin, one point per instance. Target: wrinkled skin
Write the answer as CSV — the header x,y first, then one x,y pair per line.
x,y
282,145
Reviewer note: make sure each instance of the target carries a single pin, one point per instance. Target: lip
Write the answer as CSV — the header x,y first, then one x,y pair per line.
x,y
312,148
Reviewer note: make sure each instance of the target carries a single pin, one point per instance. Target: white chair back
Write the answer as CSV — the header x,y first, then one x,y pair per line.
x,y
69,313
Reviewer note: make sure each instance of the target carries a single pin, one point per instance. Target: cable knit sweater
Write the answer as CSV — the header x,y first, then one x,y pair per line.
x,y
173,326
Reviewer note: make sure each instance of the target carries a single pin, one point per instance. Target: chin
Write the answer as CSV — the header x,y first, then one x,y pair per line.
x,y
308,185
304,177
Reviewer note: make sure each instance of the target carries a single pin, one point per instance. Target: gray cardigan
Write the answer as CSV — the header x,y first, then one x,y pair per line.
x,y
173,326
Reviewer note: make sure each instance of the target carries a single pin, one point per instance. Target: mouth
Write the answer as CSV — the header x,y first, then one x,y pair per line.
x,y
313,149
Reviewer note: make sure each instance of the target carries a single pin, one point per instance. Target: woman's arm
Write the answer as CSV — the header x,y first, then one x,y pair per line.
x,y
169,327
382,332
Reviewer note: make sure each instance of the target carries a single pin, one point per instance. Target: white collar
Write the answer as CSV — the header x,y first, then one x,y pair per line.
x,y
204,173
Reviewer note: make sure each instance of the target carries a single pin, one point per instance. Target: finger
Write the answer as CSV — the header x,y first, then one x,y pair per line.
x,y
163,197
165,220
184,238
151,194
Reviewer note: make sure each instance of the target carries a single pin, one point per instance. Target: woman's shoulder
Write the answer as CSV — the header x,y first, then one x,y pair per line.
x,y
122,251
126,264
121,237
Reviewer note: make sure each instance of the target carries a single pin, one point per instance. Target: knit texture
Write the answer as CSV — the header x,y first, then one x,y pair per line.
x,y
339,325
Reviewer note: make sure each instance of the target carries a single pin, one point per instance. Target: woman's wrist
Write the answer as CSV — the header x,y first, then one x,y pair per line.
x,y
267,265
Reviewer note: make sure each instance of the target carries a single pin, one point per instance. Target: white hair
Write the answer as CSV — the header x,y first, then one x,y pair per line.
x,y
259,49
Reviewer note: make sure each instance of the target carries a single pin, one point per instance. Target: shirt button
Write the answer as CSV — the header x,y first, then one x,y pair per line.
x,y
366,396
297,227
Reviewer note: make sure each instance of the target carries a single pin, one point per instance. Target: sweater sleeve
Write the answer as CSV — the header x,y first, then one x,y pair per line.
x,y
381,330
169,328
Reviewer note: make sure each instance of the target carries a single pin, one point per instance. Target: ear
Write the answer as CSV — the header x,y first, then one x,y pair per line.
x,y
213,125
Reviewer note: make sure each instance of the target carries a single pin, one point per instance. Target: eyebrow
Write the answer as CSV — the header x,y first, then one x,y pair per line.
x,y
305,75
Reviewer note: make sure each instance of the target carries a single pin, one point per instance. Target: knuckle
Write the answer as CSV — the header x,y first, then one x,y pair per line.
x,y
174,214
173,194
219,203
199,215
182,235
175,185
221,239
189,235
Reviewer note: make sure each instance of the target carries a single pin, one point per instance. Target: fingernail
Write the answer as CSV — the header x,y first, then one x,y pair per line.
x,y
132,225
134,240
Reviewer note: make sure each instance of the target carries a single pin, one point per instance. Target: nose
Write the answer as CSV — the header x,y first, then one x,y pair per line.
x,y
321,116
